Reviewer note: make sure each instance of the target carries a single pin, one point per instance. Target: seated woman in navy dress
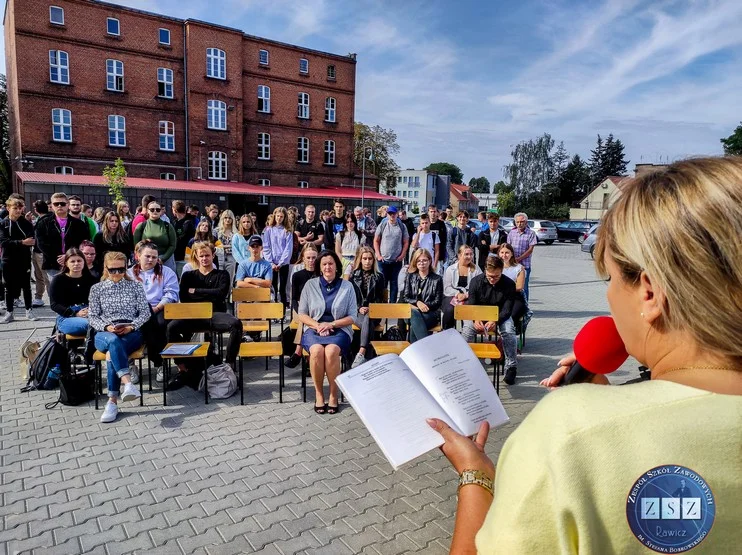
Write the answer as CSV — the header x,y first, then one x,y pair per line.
x,y
327,309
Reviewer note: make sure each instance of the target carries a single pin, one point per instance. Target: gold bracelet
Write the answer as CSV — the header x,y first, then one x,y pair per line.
x,y
476,477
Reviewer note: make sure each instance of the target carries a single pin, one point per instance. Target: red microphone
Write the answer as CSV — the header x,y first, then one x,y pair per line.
x,y
598,349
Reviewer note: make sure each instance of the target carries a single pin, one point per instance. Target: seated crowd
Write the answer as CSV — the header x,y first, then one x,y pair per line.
x,y
115,280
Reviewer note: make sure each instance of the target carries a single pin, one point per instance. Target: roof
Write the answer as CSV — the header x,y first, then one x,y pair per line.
x,y
615,179
457,190
228,187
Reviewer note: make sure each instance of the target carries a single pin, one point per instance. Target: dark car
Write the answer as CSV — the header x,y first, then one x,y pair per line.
x,y
574,230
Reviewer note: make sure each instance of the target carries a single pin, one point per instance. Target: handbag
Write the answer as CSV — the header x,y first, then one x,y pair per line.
x,y
75,387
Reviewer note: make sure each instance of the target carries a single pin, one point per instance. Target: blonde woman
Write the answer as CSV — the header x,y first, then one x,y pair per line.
x,y
371,285
456,281
423,289
278,245
124,213
225,233
117,310
245,229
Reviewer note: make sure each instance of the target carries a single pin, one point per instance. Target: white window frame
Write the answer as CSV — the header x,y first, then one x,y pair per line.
x,y
216,63
330,153
159,36
117,126
62,68
331,72
264,98
118,26
167,135
167,176
216,114
61,122
263,54
51,17
302,111
114,78
165,79
264,146
302,150
217,172
303,66
264,182
303,184
330,109
64,170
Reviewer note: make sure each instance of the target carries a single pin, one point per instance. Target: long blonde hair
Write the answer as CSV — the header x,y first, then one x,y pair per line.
x,y
462,248
420,252
220,227
359,253
113,256
681,225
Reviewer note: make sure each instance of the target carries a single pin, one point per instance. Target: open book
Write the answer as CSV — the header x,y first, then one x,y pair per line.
x,y
437,377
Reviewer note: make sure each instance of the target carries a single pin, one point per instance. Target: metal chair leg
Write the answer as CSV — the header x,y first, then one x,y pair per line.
x,y
141,391
96,384
206,383
280,379
304,377
242,384
166,378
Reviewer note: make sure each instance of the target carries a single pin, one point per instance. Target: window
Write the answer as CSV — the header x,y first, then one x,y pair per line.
x,y
330,104
115,75
167,135
217,165
116,130
264,182
303,184
167,176
399,179
59,67
263,200
417,181
164,82
56,15
331,72
264,146
302,150
404,179
163,36
216,116
303,65
303,111
113,27
216,63
63,170
264,99
330,153
263,57
417,194
62,125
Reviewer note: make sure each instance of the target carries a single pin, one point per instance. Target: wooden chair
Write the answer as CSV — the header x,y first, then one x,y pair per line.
x,y
483,350
99,357
187,311
261,312
387,312
252,295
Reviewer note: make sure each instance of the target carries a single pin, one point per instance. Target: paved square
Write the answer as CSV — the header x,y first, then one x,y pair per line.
x,y
260,478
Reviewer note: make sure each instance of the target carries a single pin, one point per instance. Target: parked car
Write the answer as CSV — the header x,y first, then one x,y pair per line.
x,y
507,224
588,242
574,230
545,230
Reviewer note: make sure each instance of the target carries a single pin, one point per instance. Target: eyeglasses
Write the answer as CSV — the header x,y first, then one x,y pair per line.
x,y
119,270
59,204
155,209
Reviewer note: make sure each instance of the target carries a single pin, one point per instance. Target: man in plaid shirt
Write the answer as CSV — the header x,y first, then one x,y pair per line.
x,y
523,239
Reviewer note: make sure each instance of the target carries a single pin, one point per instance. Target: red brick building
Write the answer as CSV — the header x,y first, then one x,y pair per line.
x,y
175,99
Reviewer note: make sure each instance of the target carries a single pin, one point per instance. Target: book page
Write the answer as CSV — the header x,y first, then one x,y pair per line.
x,y
454,376
393,405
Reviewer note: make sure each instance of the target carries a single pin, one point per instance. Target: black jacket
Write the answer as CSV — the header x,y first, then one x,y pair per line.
x,y
11,235
185,229
376,288
431,291
101,248
49,238
66,292
501,294
483,243
210,288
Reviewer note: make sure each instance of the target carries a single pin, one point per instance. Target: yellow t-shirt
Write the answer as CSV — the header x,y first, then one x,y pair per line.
x,y
565,475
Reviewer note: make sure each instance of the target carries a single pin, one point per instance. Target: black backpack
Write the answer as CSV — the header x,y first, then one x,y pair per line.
x,y
51,354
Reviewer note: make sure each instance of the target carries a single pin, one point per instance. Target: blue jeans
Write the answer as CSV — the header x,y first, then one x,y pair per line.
x,y
120,347
390,271
74,325
509,340
525,287
421,322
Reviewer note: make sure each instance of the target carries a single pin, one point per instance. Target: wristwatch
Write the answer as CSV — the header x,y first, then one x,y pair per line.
x,y
476,477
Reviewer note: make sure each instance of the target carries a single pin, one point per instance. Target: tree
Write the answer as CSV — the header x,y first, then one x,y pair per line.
x,y
733,143
446,168
506,202
502,187
597,156
379,146
479,185
531,168
560,159
574,183
116,180
614,160
6,171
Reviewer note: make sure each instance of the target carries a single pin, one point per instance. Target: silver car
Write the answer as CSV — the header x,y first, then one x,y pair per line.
x,y
507,223
588,245
545,230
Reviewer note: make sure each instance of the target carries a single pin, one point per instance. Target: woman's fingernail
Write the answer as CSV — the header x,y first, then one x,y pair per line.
x,y
430,422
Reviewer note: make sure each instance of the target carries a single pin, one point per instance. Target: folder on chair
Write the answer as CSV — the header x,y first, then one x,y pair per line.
x,y
183,349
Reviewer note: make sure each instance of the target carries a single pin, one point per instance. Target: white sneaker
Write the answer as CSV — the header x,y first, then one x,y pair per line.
x,y
246,338
37,303
18,303
8,318
30,315
2,307
160,374
360,359
110,412
133,372
131,393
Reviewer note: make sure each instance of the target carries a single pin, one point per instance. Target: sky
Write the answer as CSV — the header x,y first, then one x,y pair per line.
x,y
465,81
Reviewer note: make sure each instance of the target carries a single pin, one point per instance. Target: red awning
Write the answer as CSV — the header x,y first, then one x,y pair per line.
x,y
211,186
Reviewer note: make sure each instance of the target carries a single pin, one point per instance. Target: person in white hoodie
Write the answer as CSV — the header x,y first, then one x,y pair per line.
x,y
278,243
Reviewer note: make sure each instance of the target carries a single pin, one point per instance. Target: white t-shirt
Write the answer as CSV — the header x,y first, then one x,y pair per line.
x,y
512,271
428,241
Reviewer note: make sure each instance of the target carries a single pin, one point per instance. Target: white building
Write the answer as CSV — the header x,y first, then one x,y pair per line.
x,y
419,188
487,201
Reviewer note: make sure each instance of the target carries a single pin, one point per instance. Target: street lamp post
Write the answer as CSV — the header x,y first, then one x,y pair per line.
x,y
363,172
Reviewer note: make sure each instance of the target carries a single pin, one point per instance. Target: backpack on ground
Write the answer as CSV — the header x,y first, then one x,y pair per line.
x,y
51,354
76,383
222,381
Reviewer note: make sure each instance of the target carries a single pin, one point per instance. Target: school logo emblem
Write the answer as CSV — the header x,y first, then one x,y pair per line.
x,y
670,509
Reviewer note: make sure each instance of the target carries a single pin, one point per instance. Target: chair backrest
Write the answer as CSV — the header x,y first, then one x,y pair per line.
x,y
390,310
188,311
484,313
251,295
259,311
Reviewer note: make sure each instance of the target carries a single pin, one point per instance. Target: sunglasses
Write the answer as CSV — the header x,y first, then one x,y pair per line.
x,y
119,270
155,209
59,204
